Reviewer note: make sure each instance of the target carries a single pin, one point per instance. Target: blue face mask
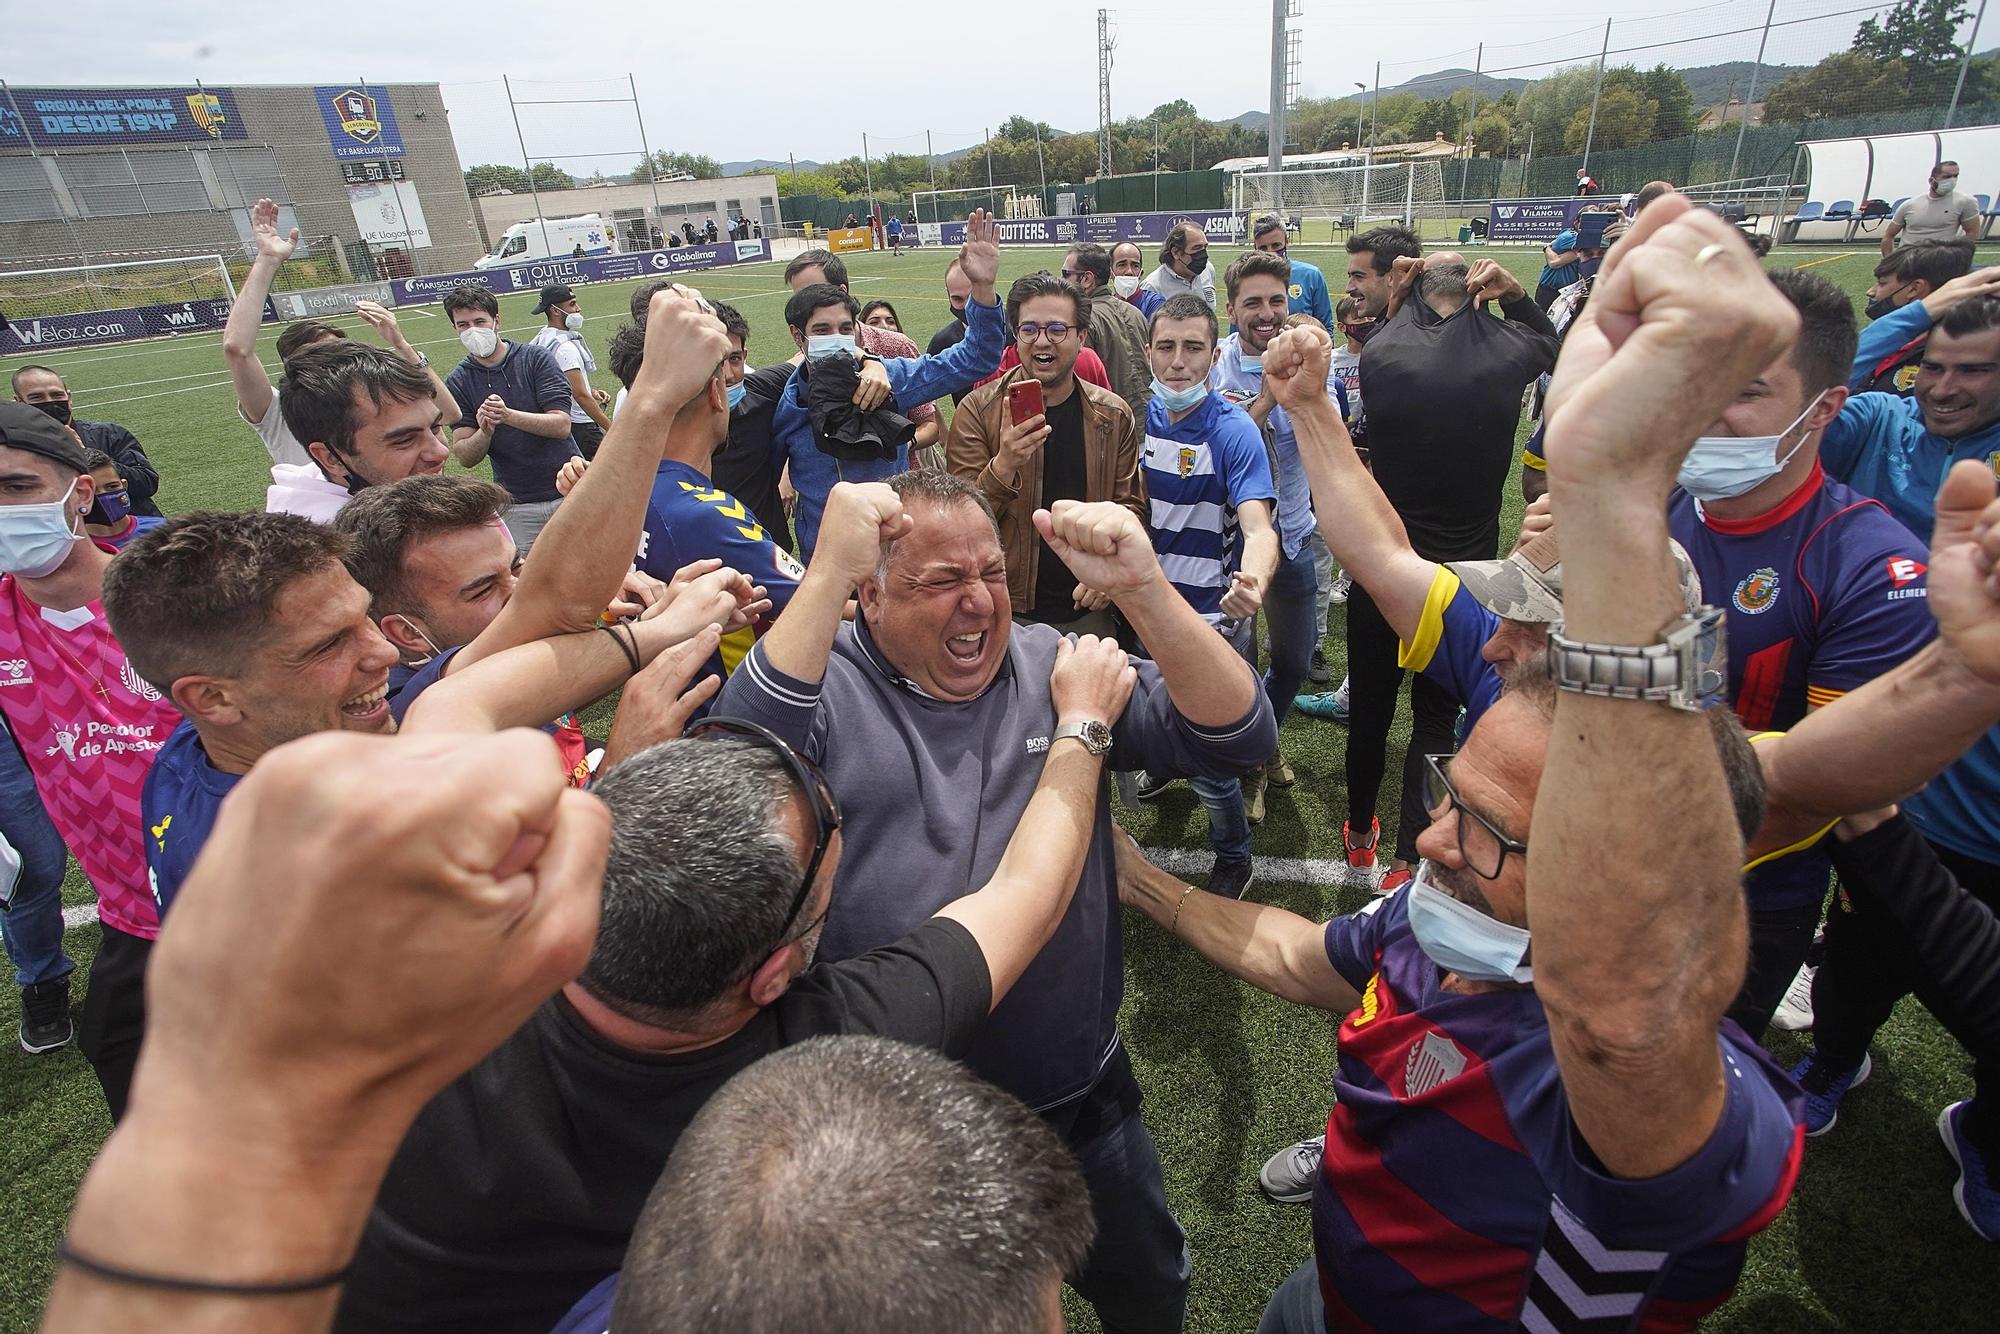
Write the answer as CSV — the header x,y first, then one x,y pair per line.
x,y
1179,400
1463,940
113,506
821,346
736,392
1250,363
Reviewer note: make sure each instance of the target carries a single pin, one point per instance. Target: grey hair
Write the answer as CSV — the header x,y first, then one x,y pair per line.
x,y
851,1183
701,876
1444,280
936,487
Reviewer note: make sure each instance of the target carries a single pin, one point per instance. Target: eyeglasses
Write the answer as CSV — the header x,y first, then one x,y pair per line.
x,y
1056,332
1069,275
1480,845
805,775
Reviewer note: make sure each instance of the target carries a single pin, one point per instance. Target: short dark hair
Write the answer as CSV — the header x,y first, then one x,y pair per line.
x,y
830,264
1095,260
1942,164
701,877
1825,351
93,459
471,296
933,486
1934,262
735,326
1343,309
1385,245
879,304
1185,306
317,394
1975,315
799,310
383,522
1252,263
14,380
300,334
1044,283
195,596
1265,224
627,352
807,1194
642,297
1176,242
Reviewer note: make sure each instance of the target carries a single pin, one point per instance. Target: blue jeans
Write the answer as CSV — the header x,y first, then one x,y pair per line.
x,y
1289,611
1296,1307
1228,822
32,923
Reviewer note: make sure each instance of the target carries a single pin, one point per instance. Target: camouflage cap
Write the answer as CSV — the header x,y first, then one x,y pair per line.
x,y
1527,585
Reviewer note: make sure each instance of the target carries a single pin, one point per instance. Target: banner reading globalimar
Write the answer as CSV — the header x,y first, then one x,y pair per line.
x,y
598,269
1103,228
45,332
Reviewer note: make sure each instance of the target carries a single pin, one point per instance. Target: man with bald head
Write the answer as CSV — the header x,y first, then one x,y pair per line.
x,y
1444,381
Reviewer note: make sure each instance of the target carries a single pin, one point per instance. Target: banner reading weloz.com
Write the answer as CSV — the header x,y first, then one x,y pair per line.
x,y
1104,228
598,269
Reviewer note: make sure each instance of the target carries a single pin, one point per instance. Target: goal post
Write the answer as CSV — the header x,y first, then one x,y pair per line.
x,y
934,206
1371,192
115,285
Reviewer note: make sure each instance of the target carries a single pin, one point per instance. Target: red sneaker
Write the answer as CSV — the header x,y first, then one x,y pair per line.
x,y
1392,882
1361,856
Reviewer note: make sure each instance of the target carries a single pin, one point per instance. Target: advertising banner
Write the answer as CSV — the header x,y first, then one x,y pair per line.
x,y
841,240
323,301
41,332
1105,229
59,118
359,123
1533,219
595,269
389,214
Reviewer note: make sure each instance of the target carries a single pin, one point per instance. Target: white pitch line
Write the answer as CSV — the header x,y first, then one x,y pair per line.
x,y
81,915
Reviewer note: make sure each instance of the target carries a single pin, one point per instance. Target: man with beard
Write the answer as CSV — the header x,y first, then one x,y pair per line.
x,y
1184,269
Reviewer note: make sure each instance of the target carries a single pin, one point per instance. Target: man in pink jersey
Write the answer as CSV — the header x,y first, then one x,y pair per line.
x,y
87,725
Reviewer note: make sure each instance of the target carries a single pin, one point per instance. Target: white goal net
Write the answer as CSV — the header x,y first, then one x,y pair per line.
x,y
1405,191
933,206
76,289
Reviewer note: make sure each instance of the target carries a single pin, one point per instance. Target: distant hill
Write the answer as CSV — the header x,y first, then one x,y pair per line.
x,y
761,164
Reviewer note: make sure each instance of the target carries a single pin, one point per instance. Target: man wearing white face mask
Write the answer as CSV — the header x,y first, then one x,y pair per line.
x,y
562,338
1823,590
88,726
1940,214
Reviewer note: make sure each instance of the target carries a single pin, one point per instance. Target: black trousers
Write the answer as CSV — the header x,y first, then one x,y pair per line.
x,y
1906,922
588,436
1373,682
114,1014
1779,940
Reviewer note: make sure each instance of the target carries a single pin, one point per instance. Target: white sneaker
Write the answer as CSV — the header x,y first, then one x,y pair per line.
x,y
1341,588
1794,1013
1289,1173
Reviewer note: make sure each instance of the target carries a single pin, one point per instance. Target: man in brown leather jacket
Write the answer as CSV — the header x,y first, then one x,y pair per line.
x,y
1082,446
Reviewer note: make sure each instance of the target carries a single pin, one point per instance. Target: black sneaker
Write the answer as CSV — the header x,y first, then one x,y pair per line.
x,y
1152,785
1316,670
1230,880
45,1023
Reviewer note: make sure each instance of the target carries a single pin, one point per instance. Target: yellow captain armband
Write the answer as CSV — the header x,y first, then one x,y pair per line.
x,y
1802,844
1530,459
1416,654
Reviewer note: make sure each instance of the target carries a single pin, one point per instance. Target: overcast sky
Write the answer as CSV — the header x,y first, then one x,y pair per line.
x,y
763,78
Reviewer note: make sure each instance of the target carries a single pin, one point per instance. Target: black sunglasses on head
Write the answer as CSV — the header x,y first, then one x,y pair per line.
x,y
805,775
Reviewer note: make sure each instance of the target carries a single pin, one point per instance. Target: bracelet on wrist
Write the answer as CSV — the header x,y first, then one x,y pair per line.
x,y
69,1255
628,643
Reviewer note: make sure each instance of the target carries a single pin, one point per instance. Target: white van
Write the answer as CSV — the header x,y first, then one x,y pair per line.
x,y
548,238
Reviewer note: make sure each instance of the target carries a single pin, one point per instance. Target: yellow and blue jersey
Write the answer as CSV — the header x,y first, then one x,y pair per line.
x,y
1448,644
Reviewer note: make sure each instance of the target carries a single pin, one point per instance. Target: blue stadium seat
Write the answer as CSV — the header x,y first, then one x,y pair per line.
x,y
1985,204
1899,203
1840,211
1810,211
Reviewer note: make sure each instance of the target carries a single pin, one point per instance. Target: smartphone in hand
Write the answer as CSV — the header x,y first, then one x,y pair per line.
x,y
1024,400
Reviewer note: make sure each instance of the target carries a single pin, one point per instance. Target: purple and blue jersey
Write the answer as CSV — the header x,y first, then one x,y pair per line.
x,y
178,804
1449,646
1456,1193
1198,471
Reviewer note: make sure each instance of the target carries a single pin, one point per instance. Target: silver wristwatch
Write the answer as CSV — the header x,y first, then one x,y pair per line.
x,y
1685,670
423,360
1095,736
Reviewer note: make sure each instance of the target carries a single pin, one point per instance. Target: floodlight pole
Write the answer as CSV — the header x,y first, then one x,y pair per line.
x,y
1743,125
1041,167
1368,154
1465,172
652,178
1274,157
1971,44
868,172
1590,132
931,157
526,165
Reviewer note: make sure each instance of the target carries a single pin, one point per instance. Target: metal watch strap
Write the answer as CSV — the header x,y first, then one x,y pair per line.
x,y
1095,736
1680,671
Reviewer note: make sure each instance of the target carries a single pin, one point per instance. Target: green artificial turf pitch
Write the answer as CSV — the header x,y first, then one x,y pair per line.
x,y
1871,1240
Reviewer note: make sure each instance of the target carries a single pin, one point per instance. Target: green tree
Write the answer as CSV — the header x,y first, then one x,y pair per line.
x,y
548,176
492,177
1021,129
1844,84
665,163
1436,117
1678,116
1625,118
1178,109
1489,133
1923,36
808,183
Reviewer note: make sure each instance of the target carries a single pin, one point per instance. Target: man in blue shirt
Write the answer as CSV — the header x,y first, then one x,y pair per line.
x,y
1306,289
1562,266
1210,497
1257,287
516,404
822,320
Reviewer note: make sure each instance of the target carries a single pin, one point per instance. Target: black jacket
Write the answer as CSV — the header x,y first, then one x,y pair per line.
x,y
142,479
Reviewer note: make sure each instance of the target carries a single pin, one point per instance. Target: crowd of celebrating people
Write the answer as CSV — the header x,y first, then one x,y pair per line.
x,y
791,1002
